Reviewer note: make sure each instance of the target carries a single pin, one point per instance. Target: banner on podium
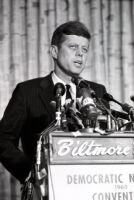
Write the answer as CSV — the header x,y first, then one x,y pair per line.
x,y
91,167
91,182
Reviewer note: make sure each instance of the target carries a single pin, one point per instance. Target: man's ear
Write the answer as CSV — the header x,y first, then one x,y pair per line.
x,y
54,51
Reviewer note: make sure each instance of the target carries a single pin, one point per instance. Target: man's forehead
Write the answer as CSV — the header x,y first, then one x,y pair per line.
x,y
75,38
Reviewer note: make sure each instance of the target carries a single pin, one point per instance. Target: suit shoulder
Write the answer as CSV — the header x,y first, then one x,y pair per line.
x,y
30,87
32,83
98,88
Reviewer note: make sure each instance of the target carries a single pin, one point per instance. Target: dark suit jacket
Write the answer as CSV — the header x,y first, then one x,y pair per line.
x,y
27,114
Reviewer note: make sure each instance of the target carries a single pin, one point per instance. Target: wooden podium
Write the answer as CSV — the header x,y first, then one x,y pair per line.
x,y
89,166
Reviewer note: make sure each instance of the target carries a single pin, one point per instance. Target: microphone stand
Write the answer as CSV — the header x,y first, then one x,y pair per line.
x,y
58,111
27,190
42,142
109,117
59,90
35,173
109,113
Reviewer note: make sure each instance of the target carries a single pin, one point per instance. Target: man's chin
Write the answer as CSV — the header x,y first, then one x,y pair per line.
x,y
74,74
77,72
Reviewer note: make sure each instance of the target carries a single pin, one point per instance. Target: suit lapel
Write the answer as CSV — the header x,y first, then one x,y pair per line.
x,y
47,96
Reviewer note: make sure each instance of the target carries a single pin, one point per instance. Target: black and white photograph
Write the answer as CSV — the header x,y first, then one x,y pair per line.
x,y
66,99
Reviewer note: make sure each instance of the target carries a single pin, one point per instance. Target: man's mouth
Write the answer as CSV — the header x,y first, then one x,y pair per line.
x,y
78,62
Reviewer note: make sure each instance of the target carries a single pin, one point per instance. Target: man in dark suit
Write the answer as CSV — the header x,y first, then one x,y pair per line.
x,y
29,111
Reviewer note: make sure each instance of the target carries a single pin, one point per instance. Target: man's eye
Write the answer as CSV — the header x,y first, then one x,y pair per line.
x,y
73,47
85,50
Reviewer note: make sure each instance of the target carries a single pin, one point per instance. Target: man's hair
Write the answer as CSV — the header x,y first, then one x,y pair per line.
x,y
69,28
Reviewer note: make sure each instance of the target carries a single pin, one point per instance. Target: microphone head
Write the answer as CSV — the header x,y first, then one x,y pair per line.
x,y
108,97
59,89
80,82
93,94
132,98
88,108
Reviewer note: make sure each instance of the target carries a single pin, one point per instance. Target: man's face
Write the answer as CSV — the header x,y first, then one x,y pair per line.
x,y
71,55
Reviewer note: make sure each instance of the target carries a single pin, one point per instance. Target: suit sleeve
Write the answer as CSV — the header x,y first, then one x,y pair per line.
x,y
11,125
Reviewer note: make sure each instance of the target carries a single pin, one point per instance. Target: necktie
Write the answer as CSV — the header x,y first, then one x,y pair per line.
x,y
68,94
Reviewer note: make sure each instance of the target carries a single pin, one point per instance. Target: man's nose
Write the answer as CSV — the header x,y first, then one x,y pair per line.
x,y
79,52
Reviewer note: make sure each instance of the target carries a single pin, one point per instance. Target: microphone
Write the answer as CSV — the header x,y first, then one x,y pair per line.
x,y
74,121
132,98
80,82
85,101
59,89
87,106
119,114
70,113
109,97
125,107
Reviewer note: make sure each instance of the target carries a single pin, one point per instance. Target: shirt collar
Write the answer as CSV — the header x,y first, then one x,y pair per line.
x,y
56,79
